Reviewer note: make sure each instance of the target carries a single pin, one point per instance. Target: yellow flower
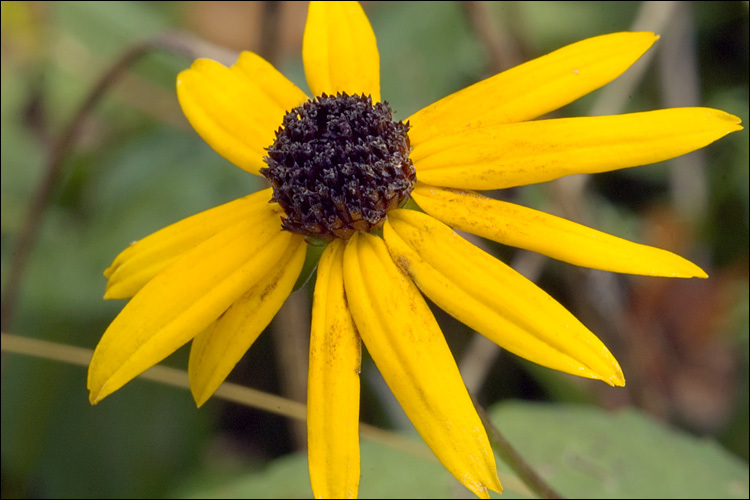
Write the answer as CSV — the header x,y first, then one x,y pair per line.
x,y
340,169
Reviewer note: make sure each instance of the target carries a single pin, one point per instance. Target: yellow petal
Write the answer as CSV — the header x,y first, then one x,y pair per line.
x,y
339,50
217,349
490,297
237,110
184,299
333,384
408,347
526,153
561,239
144,259
534,88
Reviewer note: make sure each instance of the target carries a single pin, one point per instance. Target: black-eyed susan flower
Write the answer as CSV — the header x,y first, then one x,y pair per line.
x,y
341,171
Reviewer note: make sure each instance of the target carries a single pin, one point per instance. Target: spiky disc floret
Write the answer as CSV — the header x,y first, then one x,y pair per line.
x,y
338,165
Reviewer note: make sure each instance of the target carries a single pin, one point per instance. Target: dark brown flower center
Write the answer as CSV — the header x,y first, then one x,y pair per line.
x,y
338,165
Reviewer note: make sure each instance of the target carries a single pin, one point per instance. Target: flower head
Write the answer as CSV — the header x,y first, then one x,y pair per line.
x,y
341,170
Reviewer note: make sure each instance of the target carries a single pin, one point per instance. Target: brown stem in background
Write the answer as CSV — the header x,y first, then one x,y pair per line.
x,y
269,36
601,298
171,42
601,303
503,47
291,326
481,354
680,86
291,342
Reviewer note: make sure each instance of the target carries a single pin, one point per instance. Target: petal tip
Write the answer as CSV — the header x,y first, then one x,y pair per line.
x,y
733,123
647,37
115,292
496,486
736,124
96,393
98,381
200,398
611,373
181,77
692,271
199,388
483,491
701,274
616,380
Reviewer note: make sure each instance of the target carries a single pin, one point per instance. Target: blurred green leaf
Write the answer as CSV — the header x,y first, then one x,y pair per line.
x,y
582,451
587,452
386,473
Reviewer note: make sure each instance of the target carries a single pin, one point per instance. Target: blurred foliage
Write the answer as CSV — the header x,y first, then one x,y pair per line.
x,y
573,446
137,166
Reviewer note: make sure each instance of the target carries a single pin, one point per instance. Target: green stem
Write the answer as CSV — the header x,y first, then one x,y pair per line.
x,y
514,460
